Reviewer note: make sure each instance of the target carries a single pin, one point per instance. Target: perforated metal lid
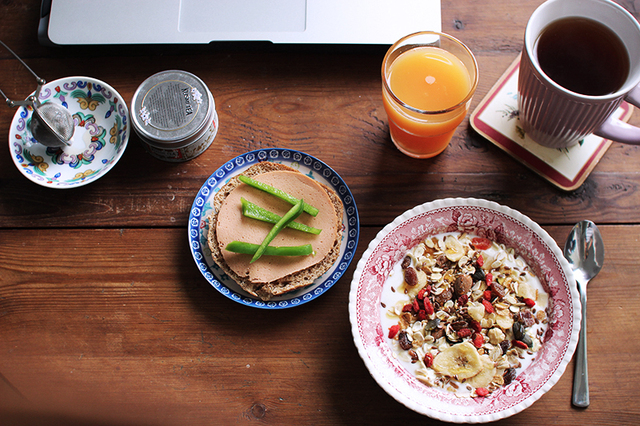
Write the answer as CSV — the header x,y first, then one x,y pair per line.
x,y
171,107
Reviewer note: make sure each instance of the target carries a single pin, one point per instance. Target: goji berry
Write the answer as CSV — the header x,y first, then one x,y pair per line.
x,y
482,392
480,243
488,307
478,340
475,326
529,302
428,307
520,344
393,330
487,294
464,332
422,315
408,307
480,260
421,294
488,278
416,307
428,360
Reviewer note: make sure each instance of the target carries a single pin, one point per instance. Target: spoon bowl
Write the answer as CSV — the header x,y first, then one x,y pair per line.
x,y
584,249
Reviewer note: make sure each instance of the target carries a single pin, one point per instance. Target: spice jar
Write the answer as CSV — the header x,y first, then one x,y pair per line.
x,y
173,113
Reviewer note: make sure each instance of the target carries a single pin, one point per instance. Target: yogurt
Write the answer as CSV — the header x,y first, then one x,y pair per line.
x,y
504,293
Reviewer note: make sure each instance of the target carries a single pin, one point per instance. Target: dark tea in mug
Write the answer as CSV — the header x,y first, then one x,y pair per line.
x,y
583,55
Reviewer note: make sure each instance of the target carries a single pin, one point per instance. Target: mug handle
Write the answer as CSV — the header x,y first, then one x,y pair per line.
x,y
618,130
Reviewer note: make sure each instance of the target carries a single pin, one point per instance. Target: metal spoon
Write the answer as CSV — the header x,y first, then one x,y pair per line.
x,y
584,249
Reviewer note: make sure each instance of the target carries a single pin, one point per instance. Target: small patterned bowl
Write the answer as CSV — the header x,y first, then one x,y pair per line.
x,y
500,224
101,119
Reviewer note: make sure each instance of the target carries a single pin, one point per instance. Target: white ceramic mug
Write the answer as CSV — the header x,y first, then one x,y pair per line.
x,y
556,117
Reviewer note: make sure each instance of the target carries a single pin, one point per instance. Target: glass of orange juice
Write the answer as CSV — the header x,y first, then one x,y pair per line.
x,y
428,79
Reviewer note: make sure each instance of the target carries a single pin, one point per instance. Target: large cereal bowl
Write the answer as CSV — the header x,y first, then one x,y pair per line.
x,y
101,133
505,226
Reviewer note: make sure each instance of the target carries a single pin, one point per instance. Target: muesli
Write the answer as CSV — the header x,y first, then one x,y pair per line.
x,y
466,314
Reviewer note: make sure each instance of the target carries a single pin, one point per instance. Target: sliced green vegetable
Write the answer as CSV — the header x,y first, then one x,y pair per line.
x,y
249,248
277,193
292,214
254,211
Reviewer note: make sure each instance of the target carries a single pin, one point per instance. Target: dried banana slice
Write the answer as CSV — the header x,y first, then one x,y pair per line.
x,y
453,248
461,361
484,377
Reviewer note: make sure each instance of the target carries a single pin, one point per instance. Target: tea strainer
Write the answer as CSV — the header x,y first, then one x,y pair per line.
x,y
51,124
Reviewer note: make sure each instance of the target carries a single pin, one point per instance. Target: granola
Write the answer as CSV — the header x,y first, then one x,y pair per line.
x,y
467,314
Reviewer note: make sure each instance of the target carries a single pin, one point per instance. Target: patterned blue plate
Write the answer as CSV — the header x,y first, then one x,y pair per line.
x,y
310,166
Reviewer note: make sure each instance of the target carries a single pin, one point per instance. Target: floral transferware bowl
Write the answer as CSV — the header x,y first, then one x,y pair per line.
x,y
101,120
502,225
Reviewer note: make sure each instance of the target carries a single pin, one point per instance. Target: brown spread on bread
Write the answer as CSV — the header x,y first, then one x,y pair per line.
x,y
274,275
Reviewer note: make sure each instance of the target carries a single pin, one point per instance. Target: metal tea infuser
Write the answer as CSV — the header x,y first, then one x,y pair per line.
x,y
51,124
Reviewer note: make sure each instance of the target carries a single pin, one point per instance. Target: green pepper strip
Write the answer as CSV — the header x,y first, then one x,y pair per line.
x,y
278,193
248,248
254,211
292,214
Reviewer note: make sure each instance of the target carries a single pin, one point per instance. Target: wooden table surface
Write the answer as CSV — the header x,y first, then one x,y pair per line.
x,y
105,319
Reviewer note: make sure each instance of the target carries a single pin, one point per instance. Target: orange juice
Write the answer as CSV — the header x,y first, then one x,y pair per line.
x,y
426,96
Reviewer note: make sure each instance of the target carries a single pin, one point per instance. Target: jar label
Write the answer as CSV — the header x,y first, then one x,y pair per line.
x,y
170,105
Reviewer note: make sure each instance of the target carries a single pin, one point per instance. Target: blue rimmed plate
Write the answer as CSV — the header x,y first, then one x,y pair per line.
x,y
203,206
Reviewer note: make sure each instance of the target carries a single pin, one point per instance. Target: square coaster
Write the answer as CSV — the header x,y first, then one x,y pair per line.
x,y
496,118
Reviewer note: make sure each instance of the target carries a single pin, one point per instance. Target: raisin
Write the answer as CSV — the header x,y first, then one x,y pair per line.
x,y
414,356
403,340
411,276
442,262
406,262
437,333
499,290
443,297
526,317
505,345
475,326
458,325
478,275
509,375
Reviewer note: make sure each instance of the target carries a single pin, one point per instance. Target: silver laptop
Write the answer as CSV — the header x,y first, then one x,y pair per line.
x,y
90,22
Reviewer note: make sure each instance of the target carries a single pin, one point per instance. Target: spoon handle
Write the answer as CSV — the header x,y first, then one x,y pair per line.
x,y
581,374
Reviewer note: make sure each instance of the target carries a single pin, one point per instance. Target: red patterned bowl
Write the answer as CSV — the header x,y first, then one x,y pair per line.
x,y
503,225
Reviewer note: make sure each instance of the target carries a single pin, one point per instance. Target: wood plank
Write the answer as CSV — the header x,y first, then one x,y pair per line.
x,y
150,342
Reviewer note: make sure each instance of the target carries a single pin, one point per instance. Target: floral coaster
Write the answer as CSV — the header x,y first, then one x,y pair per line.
x,y
496,118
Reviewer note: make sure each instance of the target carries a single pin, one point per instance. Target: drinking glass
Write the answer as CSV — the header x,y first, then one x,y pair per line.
x,y
428,80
